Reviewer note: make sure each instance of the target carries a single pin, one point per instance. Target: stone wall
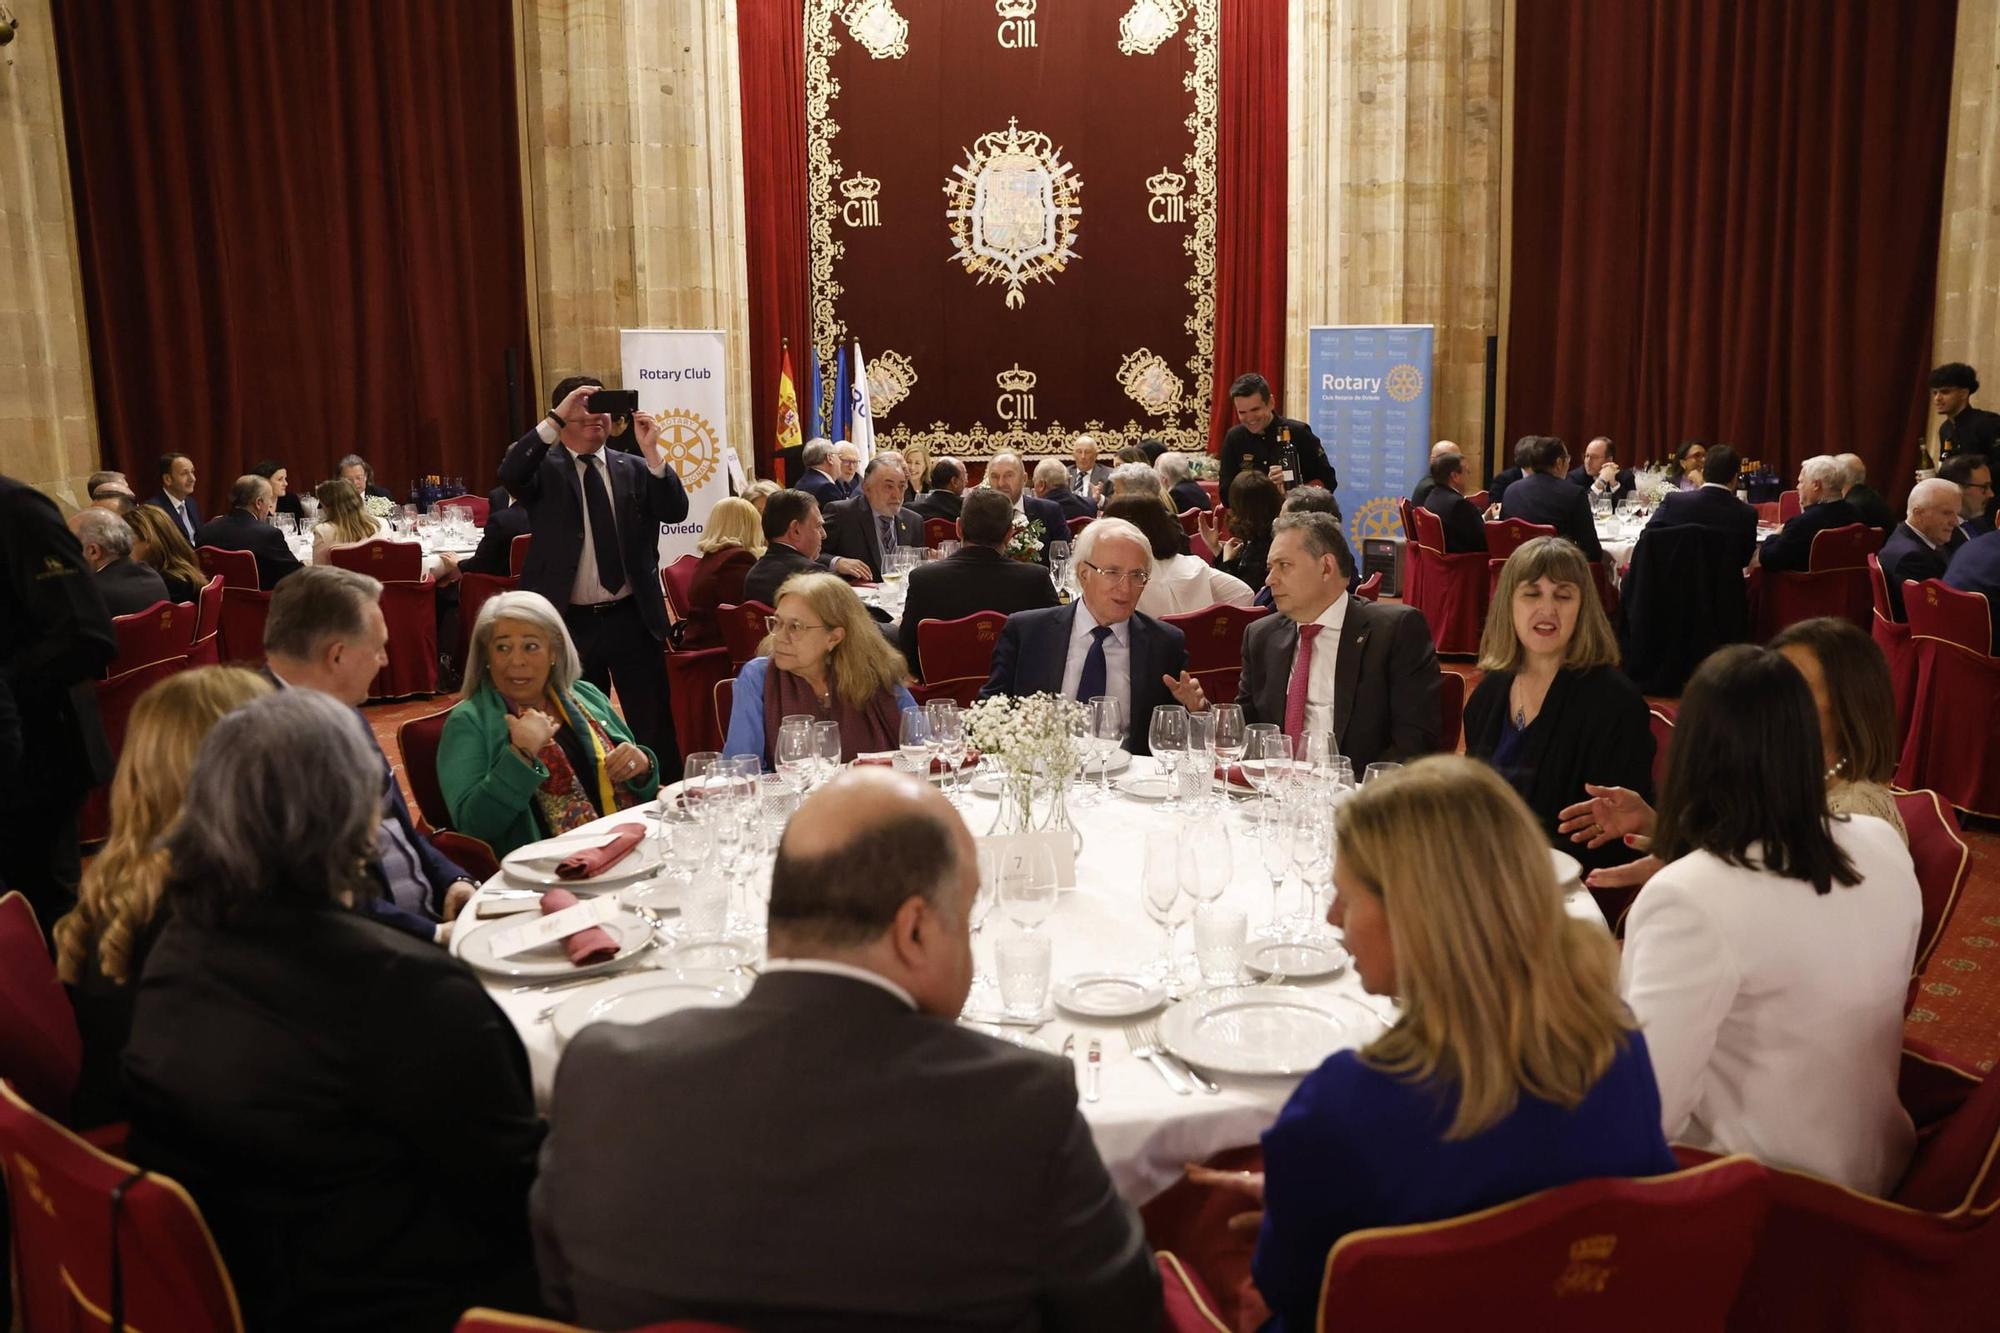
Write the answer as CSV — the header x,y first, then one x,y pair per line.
x,y
1967,326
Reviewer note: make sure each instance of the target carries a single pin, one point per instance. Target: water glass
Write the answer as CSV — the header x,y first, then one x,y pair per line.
x,y
1220,932
827,748
1160,892
793,752
1169,743
948,742
1024,963
914,757
705,907
1230,733
1104,719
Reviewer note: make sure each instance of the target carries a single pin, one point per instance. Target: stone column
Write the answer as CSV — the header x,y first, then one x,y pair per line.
x,y
1967,324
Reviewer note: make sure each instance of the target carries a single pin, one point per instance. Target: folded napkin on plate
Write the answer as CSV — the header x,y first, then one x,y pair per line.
x,y
596,945
887,759
597,860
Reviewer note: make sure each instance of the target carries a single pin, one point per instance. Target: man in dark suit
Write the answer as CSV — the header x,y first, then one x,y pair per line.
x,y
1006,475
1543,496
794,534
1713,504
975,577
947,492
1496,489
1965,429
246,527
847,462
504,522
125,585
1976,568
821,477
1258,440
843,1064
1867,501
1464,529
596,515
1084,474
873,524
1422,490
1370,668
55,642
177,494
1052,484
1102,643
1600,473
357,472
1822,480
1925,542
1974,477
1185,492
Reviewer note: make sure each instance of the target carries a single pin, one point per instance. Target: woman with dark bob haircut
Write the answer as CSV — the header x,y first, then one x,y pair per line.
x,y
1849,679
1254,502
293,1063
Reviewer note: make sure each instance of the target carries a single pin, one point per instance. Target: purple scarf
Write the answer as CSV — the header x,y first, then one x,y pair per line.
x,y
871,728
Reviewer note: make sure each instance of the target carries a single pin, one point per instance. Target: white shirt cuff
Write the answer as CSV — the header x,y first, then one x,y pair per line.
x,y
547,430
658,469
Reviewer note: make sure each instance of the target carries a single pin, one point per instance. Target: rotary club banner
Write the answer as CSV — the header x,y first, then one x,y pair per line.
x,y
679,376
1370,402
1013,203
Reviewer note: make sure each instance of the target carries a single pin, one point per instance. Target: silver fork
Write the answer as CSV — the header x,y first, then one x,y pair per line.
x,y
1135,1039
1150,1030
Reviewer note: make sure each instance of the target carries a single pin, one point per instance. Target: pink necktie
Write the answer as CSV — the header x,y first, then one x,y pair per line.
x,y
1295,695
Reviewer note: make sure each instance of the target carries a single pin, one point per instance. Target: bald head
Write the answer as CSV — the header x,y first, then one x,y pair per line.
x,y
1443,447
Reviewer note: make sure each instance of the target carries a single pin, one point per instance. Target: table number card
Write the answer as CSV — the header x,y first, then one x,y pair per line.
x,y
555,926
1060,846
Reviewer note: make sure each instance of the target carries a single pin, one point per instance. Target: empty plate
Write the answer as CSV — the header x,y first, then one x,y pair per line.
x,y
1256,1030
1304,959
536,863
547,962
643,996
1109,994
1569,870
1144,786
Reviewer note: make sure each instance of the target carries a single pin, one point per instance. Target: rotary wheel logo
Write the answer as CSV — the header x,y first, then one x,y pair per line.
x,y
690,445
1403,382
1377,518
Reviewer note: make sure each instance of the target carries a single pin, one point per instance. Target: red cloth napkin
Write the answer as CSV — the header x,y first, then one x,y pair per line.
x,y
1235,777
596,945
597,860
887,759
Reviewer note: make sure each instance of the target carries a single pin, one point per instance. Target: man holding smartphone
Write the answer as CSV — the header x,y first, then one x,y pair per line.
x,y
596,515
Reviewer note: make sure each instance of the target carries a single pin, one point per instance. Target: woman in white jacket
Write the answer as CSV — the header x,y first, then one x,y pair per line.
x,y
1180,582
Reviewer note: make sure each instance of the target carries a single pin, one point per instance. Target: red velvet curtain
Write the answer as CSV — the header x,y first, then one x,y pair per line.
x,y
300,233
1726,224
770,41
1251,195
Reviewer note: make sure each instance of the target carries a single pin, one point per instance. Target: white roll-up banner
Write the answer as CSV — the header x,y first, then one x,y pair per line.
x,y
679,374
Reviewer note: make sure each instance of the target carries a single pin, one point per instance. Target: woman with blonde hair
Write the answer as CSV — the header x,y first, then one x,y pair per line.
x,y
760,491
159,542
1553,711
730,543
343,520
101,946
1513,1068
826,658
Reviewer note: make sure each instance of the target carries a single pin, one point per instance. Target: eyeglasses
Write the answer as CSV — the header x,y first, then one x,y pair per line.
x,y
1136,577
788,629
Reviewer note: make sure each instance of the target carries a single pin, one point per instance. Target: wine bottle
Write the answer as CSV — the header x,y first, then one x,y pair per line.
x,y
1288,455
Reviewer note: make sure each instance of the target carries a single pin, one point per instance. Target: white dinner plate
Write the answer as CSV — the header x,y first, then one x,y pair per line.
x,y
1301,959
988,782
1109,994
1569,870
536,863
1257,1030
640,997
550,961
1119,762
1144,786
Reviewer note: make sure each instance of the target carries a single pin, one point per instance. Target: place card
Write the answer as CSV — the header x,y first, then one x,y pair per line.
x,y
555,926
1060,846
560,849
509,905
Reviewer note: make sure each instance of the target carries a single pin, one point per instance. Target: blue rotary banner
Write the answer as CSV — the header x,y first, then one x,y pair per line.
x,y
1370,394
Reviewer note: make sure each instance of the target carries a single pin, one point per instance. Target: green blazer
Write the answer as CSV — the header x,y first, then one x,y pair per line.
x,y
490,788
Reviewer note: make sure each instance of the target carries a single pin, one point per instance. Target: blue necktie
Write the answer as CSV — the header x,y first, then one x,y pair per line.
x,y
1093,681
885,531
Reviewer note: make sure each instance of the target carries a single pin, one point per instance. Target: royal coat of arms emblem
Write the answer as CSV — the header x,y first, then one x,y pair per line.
x,y
1013,207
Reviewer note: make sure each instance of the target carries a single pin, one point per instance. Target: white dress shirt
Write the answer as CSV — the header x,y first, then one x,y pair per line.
x,y
587,591
827,967
1189,583
1320,684
1117,660
1774,1015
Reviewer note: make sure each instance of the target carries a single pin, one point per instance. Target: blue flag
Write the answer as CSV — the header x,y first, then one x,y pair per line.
x,y
813,394
843,406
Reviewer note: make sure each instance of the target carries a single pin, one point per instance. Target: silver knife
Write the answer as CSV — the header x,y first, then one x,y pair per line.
x,y
1069,1052
1096,1069
1207,1084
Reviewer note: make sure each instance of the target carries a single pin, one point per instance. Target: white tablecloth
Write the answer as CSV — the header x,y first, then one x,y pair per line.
x,y
459,548
1143,1130
1620,537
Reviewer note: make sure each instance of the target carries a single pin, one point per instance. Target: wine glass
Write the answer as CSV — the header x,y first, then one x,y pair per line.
x,y
793,753
827,748
1274,847
1253,752
1205,866
1026,878
1106,720
988,856
948,739
1377,772
1169,743
1230,736
1160,889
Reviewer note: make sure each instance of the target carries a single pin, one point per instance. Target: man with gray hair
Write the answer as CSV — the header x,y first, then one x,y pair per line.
x,y
125,585
821,478
1177,476
1867,501
1138,479
246,527
1822,483
847,460
873,525
842,1064
1084,474
325,632
1924,543
1051,483
356,472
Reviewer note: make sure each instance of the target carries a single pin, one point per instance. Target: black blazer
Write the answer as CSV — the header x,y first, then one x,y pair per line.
x,y
1972,431
938,504
1034,649
128,586
1055,523
1908,556
1071,504
496,542
1594,727
1385,703
192,526
1464,529
778,563
1715,508
820,487
238,531
1188,495
1874,510
972,578
824,1106
851,532
1241,449
1579,477
295,1071
1543,497
1790,548
543,480
1496,487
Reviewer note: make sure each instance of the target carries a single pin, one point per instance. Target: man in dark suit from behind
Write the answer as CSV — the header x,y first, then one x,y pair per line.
x,y
176,494
794,534
844,1064
1177,476
1867,501
975,577
1464,529
1713,504
1371,667
1422,490
1496,489
125,585
1973,475
504,522
873,524
246,528
1976,568
821,477
1822,483
1545,496
1051,482
1925,542
947,492
1965,429
1600,473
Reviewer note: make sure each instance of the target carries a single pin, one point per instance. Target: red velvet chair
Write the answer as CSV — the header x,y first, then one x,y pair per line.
x,y
1662,718
244,605
237,568
961,647
1450,590
1662,1253
1412,574
1189,1308
1479,500
474,856
1077,525
1940,612
1369,588
483,1320
40,1051
477,505
938,531
409,604
1451,711
691,678
417,741
960,689
677,585
1941,860
1215,645
1789,506
206,650
517,553
1834,583
1955,713
1504,536
474,591
1893,638
742,631
164,629
1191,524
115,697
99,1243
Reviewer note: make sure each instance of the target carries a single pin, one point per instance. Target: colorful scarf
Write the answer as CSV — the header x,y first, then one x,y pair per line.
x,y
561,802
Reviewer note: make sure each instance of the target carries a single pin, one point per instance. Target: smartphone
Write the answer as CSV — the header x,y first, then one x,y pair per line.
x,y
613,402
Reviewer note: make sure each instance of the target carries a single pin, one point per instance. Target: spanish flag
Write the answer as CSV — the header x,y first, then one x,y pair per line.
x,y
788,406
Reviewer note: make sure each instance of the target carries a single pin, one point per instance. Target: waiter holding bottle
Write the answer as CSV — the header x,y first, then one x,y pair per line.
x,y
1261,440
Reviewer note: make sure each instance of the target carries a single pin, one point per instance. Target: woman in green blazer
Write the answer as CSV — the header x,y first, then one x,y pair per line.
x,y
533,750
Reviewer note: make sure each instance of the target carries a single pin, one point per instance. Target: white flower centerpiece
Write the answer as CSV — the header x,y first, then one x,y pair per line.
x,y
1024,540
381,507
1032,741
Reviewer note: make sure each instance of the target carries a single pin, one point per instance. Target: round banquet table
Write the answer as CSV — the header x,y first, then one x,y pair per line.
x,y
1620,537
1144,1131
458,548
